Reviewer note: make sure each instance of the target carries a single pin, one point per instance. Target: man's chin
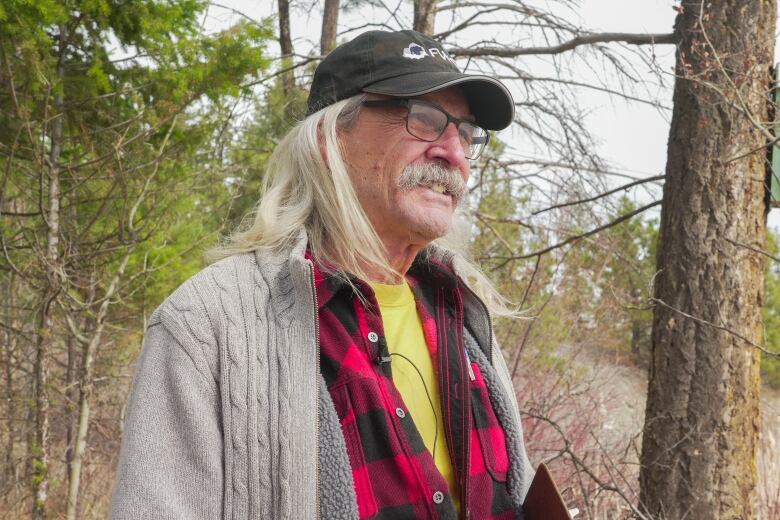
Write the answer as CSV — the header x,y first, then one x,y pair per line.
x,y
425,219
432,230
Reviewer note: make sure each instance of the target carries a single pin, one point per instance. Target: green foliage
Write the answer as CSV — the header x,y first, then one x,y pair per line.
x,y
136,129
626,283
605,283
770,366
124,103
496,240
593,293
256,142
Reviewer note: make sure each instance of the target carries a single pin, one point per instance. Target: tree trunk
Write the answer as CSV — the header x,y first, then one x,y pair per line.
x,y
702,417
80,442
71,395
40,452
72,373
330,20
638,326
9,345
424,16
636,340
44,336
86,384
286,46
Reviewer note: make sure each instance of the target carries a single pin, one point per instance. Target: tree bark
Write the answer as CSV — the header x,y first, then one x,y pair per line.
x,y
80,441
702,417
424,16
52,270
286,46
72,371
40,448
330,20
86,384
71,395
636,340
9,345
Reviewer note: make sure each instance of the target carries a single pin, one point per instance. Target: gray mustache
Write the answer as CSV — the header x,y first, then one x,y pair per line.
x,y
434,173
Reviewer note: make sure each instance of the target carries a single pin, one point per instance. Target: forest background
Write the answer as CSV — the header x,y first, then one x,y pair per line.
x,y
134,136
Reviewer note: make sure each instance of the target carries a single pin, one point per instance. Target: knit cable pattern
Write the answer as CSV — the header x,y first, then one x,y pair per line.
x,y
224,278
283,302
260,297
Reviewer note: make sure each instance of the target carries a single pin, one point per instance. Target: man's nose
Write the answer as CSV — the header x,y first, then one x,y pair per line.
x,y
449,147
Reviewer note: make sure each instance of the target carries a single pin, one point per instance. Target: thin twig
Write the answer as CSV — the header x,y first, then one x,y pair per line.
x,y
754,249
503,220
583,39
601,195
734,333
574,238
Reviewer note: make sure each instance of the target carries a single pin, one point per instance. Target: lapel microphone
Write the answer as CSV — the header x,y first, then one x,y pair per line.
x,y
383,354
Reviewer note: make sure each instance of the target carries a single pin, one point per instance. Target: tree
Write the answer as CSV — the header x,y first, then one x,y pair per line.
x,y
627,280
330,20
424,16
96,149
248,157
286,47
770,365
702,417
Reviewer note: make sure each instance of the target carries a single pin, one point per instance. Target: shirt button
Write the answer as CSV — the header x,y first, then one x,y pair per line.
x,y
400,413
372,337
438,497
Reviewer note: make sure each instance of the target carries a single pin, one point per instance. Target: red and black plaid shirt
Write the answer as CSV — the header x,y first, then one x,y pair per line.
x,y
394,474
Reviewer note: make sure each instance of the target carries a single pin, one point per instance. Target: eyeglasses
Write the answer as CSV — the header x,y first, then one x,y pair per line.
x,y
428,122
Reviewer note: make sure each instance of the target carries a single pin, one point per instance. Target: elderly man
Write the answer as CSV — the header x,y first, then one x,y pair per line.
x,y
337,362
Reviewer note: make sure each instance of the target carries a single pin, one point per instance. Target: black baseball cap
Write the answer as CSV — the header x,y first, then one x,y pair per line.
x,y
405,64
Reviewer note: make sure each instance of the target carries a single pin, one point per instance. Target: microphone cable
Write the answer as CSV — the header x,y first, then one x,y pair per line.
x,y
430,401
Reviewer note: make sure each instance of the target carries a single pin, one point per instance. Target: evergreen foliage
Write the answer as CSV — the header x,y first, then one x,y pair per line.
x,y
770,365
111,114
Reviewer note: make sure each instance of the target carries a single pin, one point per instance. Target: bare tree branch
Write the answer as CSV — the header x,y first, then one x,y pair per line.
x,y
754,249
732,332
600,195
584,39
574,238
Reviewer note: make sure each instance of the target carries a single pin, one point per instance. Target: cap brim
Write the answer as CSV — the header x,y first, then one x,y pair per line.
x,y
489,100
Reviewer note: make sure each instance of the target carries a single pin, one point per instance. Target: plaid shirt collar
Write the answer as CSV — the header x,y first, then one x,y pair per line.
x,y
328,284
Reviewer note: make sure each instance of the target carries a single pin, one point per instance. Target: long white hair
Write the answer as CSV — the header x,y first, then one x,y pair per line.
x,y
307,187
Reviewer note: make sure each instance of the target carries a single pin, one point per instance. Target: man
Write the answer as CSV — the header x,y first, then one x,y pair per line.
x,y
337,363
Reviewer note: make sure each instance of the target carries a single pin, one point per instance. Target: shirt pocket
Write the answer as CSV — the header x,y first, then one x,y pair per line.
x,y
492,439
347,411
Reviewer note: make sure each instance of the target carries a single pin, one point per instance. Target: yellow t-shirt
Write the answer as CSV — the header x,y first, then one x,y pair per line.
x,y
404,335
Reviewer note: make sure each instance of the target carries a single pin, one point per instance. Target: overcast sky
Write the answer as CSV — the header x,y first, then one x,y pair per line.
x,y
633,136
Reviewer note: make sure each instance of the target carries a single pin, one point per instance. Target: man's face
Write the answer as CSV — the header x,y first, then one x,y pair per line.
x,y
378,150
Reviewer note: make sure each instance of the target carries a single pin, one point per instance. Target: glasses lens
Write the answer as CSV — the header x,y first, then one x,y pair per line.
x,y
426,122
473,138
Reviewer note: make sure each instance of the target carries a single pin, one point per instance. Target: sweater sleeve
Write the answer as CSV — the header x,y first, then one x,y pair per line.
x,y
171,459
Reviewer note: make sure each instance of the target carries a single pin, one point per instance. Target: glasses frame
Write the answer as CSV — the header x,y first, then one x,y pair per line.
x,y
409,103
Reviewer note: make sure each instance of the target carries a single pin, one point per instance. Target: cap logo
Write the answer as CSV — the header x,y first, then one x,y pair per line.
x,y
433,51
414,52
